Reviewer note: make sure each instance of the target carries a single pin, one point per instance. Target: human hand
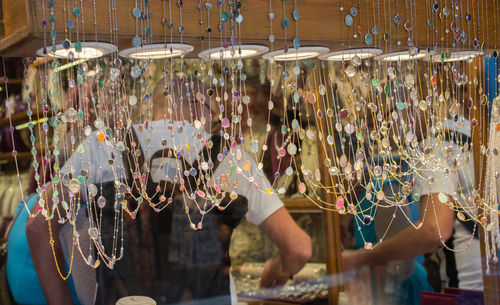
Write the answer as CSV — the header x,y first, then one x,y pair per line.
x,y
352,260
273,274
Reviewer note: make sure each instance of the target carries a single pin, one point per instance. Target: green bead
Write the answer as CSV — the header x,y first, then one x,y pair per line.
x,y
32,138
35,164
80,114
39,190
79,79
56,179
78,47
140,200
56,167
64,205
80,179
401,106
37,177
80,149
283,129
56,152
285,22
55,193
430,22
375,82
76,12
33,152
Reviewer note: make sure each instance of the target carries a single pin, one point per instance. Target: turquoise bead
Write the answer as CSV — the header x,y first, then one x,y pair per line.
x,y
224,17
285,22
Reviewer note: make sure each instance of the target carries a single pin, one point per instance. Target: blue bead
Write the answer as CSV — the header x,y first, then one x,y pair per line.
x,y
296,15
368,38
136,12
296,43
136,41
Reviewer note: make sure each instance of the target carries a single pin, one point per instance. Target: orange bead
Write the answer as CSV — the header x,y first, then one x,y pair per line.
x,y
498,127
434,80
100,137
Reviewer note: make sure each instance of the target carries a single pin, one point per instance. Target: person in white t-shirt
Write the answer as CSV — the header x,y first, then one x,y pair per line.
x,y
263,210
460,265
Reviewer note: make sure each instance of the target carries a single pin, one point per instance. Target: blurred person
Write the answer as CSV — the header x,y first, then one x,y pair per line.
x,y
193,276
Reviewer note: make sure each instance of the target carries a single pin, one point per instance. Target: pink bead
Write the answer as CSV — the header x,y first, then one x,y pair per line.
x,y
340,203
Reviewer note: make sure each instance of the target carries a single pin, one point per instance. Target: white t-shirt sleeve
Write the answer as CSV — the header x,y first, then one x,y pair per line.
x,y
442,183
95,158
260,204
456,181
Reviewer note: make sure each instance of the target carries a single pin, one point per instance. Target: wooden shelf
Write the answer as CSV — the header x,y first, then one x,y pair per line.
x,y
23,155
18,118
300,204
20,156
14,81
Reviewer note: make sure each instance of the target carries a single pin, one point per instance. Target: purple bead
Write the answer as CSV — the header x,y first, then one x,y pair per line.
x,y
285,49
225,45
5,79
14,153
44,22
164,21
